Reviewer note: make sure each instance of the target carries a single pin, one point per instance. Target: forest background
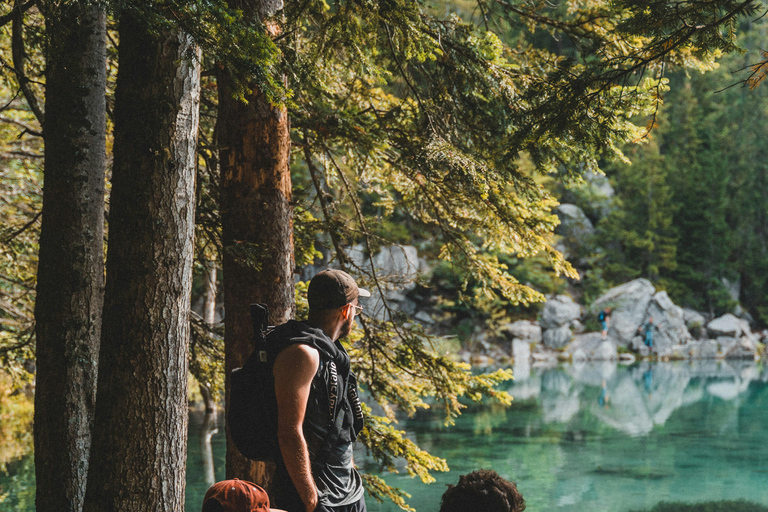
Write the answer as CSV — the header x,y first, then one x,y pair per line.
x,y
458,129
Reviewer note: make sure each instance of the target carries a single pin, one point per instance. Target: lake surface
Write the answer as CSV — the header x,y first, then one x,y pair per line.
x,y
592,437
595,437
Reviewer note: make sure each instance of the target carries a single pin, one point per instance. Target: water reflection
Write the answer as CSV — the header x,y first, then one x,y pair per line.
x,y
207,430
634,400
609,438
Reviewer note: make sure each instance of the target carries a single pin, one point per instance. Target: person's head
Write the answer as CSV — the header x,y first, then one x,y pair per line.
x,y
333,298
236,496
650,319
608,309
482,490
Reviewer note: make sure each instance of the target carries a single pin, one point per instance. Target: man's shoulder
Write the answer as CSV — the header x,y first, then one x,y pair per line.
x,y
294,332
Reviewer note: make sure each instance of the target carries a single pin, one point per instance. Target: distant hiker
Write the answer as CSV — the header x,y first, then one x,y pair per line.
x,y
604,317
236,496
318,410
482,490
647,331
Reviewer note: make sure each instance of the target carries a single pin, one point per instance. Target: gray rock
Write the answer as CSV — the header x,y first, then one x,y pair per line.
x,y
591,347
670,323
630,303
744,348
575,230
558,311
573,221
706,349
733,287
557,337
523,330
726,325
423,317
398,265
693,319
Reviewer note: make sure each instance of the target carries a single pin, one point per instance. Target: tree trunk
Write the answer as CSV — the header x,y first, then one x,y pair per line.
x,y
140,434
71,259
257,226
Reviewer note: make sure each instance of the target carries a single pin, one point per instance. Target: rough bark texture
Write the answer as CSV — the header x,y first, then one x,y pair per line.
x,y
140,436
257,228
71,265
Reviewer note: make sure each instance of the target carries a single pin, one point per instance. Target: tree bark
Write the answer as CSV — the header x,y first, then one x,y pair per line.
x,y
257,225
71,258
140,435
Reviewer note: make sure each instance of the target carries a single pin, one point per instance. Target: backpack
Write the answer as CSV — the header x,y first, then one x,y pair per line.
x,y
252,414
601,316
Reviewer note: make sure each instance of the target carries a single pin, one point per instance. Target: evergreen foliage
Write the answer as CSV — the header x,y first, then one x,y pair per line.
x,y
408,124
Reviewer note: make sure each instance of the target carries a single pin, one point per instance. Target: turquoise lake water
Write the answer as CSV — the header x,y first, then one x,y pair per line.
x,y
595,437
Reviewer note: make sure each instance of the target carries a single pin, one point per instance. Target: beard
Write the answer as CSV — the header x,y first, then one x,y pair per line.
x,y
347,327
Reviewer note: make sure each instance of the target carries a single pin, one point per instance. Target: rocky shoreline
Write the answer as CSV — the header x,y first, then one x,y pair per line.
x,y
680,334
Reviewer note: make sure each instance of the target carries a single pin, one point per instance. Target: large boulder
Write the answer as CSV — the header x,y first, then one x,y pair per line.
x,y
575,230
633,304
737,348
557,337
705,349
669,321
558,311
523,330
591,347
629,303
728,325
574,223
397,268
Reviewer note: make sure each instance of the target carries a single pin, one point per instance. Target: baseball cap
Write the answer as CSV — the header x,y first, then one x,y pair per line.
x,y
332,288
236,496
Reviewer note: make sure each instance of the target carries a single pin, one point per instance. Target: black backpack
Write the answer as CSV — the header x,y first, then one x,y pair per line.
x,y
252,414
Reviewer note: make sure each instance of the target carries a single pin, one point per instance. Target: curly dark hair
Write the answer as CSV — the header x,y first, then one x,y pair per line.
x,y
482,490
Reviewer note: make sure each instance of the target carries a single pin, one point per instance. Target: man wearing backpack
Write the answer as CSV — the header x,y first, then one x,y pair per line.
x,y
318,410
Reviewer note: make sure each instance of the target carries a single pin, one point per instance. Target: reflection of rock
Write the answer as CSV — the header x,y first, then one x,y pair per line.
x,y
521,353
626,411
559,401
593,373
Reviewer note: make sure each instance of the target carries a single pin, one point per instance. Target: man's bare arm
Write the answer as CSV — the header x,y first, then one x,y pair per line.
x,y
294,369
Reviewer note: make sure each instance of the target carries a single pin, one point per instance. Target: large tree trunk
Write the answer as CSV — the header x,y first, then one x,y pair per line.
x,y
257,226
71,265
140,434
